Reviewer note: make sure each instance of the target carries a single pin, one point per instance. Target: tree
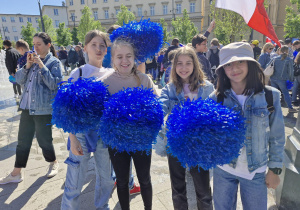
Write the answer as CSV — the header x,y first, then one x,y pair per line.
x,y
49,29
1,42
64,36
292,19
28,33
75,35
183,28
124,16
167,35
87,23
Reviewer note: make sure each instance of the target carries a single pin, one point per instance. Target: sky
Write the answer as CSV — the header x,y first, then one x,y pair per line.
x,y
27,7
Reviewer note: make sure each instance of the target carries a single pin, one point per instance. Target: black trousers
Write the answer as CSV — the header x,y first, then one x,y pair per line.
x,y
30,124
17,88
201,183
121,164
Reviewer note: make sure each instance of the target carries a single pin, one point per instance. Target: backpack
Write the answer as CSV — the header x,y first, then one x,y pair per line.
x,y
72,56
214,58
296,70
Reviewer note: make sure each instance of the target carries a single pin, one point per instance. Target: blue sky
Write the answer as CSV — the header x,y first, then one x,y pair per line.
x,y
29,7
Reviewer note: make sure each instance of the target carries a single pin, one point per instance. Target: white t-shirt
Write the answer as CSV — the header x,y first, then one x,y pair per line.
x,y
90,71
241,168
188,93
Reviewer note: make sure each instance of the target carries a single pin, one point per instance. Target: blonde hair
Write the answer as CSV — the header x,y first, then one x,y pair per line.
x,y
197,77
267,46
92,34
126,42
284,50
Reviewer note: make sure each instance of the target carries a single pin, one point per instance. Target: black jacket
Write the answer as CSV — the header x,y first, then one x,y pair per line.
x,y
11,60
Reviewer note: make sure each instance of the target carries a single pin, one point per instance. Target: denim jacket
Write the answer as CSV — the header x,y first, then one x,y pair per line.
x,y
283,69
170,98
265,135
44,86
264,59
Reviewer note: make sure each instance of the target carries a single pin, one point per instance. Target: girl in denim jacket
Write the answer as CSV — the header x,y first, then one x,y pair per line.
x,y
241,87
187,82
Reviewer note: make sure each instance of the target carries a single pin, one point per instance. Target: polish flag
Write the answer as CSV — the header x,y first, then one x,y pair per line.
x,y
254,14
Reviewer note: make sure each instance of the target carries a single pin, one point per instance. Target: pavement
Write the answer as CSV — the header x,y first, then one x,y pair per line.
x,y
38,192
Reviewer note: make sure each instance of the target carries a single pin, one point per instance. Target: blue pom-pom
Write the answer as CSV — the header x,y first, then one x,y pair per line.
x,y
78,106
131,120
146,36
289,84
204,134
12,79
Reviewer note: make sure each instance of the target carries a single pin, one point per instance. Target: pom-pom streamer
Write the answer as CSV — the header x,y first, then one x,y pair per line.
x,y
289,84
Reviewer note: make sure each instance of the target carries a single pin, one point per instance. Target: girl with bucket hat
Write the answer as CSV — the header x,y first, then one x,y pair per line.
x,y
241,87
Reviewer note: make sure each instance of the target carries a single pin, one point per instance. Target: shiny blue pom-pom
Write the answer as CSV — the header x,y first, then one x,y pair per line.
x,y
146,36
204,134
131,120
289,84
78,106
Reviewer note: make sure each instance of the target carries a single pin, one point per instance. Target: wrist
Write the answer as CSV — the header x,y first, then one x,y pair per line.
x,y
276,171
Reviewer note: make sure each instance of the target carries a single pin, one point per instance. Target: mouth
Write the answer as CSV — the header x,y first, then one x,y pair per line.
x,y
183,73
125,66
234,75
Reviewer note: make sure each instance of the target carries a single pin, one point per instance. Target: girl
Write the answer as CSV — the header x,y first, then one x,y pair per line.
x,y
264,57
126,75
83,144
40,77
187,82
283,71
241,87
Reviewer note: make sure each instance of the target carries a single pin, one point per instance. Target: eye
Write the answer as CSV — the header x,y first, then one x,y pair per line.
x,y
227,65
242,61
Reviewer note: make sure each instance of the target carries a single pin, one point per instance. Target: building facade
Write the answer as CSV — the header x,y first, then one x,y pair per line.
x,y
58,14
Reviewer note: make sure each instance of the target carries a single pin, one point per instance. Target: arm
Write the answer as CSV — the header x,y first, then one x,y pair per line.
x,y
164,99
212,25
75,145
21,75
9,62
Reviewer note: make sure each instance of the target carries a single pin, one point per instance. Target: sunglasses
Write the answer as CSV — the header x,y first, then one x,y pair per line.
x,y
271,48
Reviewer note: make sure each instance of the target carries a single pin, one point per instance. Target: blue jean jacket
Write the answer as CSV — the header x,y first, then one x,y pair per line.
x,y
265,135
283,69
264,59
44,87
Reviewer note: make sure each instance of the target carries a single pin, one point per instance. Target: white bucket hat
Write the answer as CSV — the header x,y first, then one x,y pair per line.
x,y
237,51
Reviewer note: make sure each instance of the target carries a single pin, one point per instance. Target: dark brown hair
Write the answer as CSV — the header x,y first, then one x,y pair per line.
x,y
198,39
46,39
297,59
22,44
7,43
112,28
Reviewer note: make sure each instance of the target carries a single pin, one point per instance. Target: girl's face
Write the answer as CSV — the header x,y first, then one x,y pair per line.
x,y
96,50
237,71
184,67
40,47
123,59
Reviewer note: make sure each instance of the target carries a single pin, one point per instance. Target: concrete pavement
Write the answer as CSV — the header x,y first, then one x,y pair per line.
x,y
38,192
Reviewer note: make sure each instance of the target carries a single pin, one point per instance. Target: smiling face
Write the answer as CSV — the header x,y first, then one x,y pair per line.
x,y
202,47
96,50
123,58
237,72
184,67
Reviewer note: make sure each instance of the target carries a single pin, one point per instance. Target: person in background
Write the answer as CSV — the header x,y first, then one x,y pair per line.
x,y
213,55
295,90
63,57
296,47
73,58
23,48
264,57
81,59
159,64
256,49
288,42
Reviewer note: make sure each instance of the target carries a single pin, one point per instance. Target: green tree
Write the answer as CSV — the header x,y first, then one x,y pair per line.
x,y
167,35
64,36
87,23
292,19
75,35
27,33
124,16
183,28
1,42
49,29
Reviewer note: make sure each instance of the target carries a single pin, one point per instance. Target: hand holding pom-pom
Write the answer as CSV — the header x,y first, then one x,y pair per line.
x,y
131,120
204,134
78,106
289,84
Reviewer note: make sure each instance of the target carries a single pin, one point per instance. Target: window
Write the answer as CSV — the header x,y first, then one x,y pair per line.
x,y
57,23
14,29
165,9
94,1
95,13
29,19
178,8
82,1
7,37
5,29
129,9
12,19
192,7
16,38
104,1
71,2
152,12
73,16
55,11
140,12
106,14
21,19
37,20
117,11
3,19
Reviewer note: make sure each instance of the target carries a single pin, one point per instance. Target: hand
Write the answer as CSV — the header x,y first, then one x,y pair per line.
x,y
272,180
29,60
13,74
36,59
212,25
75,145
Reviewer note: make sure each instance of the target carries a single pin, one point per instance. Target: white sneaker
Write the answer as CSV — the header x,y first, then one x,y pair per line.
x,y
53,169
16,96
11,179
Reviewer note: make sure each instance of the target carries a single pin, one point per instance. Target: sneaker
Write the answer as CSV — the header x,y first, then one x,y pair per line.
x,y
11,179
16,96
293,110
53,169
135,189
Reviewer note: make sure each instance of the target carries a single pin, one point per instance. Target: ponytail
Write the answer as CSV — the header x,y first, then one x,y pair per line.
x,y
52,50
134,70
283,56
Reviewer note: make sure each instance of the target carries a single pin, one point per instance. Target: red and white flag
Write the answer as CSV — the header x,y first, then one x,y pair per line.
x,y
254,14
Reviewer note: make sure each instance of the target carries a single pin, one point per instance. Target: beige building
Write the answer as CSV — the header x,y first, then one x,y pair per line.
x,y
58,14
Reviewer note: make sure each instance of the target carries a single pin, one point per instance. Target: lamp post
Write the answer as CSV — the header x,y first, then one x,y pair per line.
x,y
41,15
73,19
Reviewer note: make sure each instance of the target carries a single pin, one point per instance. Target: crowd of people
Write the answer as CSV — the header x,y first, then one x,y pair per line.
x,y
231,75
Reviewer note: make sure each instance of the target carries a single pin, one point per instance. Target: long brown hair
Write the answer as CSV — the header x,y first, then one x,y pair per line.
x,y
46,39
196,79
284,50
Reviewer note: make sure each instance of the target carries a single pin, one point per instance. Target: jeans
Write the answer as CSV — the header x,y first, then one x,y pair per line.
x,y
17,88
131,177
253,192
295,88
73,66
63,62
153,72
121,164
30,124
76,174
201,183
281,84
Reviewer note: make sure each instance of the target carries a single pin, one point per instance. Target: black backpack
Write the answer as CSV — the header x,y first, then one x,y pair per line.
x,y
214,58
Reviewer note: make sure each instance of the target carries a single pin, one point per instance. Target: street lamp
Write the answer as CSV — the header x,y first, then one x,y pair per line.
x,y
42,21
